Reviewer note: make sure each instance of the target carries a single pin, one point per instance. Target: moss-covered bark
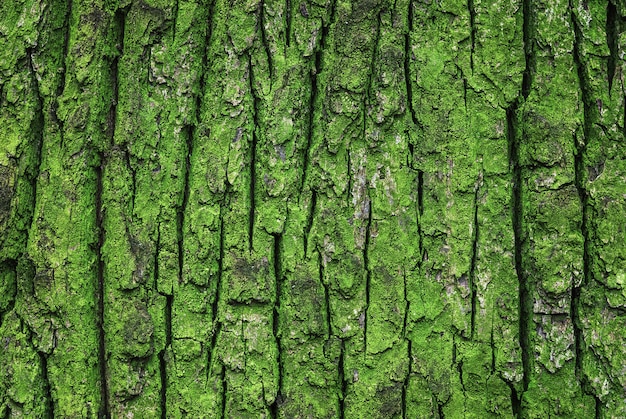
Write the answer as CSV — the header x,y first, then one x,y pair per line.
x,y
339,209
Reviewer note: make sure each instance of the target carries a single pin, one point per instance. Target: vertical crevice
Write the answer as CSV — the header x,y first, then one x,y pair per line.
x,y
63,69
49,401
525,285
516,401
313,97
224,392
326,295
287,22
182,208
309,222
276,319
420,213
528,36
407,380
255,128
612,40
99,297
472,271
580,147
168,328
407,69
472,17
440,410
368,272
342,380
217,325
266,47
524,291
598,406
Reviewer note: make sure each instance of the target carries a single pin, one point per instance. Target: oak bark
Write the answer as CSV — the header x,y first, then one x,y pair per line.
x,y
303,209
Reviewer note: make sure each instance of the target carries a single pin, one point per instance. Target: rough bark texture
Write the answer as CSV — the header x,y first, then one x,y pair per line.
x,y
312,209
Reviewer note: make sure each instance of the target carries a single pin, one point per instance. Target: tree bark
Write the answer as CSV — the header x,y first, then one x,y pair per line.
x,y
334,209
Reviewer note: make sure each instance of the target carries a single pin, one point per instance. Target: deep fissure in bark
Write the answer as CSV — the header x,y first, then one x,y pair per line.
x,y
287,22
580,147
472,271
524,291
48,400
99,297
276,319
342,380
472,18
252,186
368,271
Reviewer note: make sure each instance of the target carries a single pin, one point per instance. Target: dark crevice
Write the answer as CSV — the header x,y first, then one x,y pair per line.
x,y
9,265
493,349
420,212
133,173
63,69
516,401
276,319
342,380
528,35
407,380
49,401
287,22
368,272
217,325
407,68
309,222
317,69
169,299
406,306
524,292
472,271
224,392
599,410
465,92
612,40
266,47
99,297
168,329
580,146
472,17
525,285
182,208
440,410
252,186
326,295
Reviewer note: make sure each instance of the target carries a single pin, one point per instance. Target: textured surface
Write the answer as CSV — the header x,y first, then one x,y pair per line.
x,y
303,209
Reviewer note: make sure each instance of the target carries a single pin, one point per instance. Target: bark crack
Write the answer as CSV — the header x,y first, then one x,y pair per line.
x,y
368,272
580,146
407,71
309,223
276,319
524,291
266,48
49,401
102,358
342,380
472,271
472,17
255,117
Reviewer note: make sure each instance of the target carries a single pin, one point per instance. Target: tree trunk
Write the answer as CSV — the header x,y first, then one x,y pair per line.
x,y
297,209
